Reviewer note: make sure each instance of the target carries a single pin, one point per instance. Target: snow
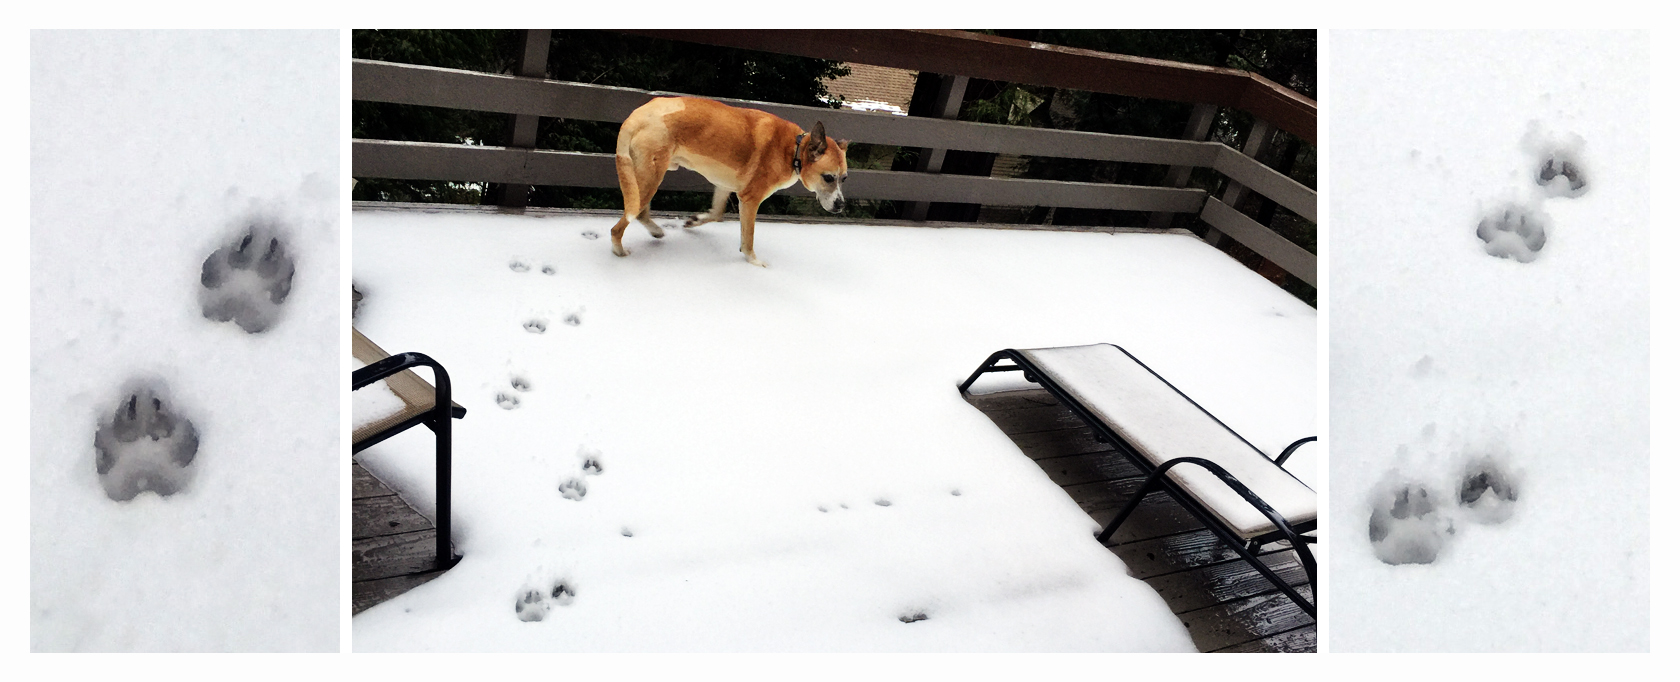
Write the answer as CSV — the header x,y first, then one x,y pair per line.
x,y
874,105
717,457
372,402
148,153
1515,393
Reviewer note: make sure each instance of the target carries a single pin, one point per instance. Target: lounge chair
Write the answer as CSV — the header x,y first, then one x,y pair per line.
x,y
422,404
1244,496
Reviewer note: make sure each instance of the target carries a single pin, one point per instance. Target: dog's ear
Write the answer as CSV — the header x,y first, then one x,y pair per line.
x,y
819,141
842,144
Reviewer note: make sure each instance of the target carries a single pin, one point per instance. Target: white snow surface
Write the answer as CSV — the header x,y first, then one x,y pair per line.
x,y
784,462
372,402
146,151
1441,355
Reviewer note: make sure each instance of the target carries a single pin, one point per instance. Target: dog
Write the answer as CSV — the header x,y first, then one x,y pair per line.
x,y
745,151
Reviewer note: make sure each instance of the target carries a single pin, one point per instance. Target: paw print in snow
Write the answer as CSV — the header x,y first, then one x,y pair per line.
x,y
246,280
1486,493
573,489
1559,161
1406,527
534,602
144,445
1514,231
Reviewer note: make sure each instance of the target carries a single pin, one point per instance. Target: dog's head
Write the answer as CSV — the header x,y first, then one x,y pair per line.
x,y
823,168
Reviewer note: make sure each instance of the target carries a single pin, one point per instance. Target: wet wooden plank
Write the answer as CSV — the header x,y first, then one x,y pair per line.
x,y
1233,623
1177,552
370,593
1205,586
1031,419
1299,640
385,515
1070,470
1011,400
393,555
363,484
1059,443
1156,516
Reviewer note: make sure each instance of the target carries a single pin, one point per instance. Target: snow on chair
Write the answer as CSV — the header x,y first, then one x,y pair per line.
x,y
421,404
1243,496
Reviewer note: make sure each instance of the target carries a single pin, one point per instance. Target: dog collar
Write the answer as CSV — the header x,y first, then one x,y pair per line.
x,y
796,142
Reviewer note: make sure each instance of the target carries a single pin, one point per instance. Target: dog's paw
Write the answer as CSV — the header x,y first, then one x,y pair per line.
x,y
144,445
755,261
1514,231
620,251
247,279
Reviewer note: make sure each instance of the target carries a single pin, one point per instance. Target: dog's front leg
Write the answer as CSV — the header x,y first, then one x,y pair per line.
x,y
720,197
749,213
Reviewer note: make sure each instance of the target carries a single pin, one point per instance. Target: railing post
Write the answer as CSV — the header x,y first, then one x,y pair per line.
x,y
947,105
533,63
1258,136
1201,120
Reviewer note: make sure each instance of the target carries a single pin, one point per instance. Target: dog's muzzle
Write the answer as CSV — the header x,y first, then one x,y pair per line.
x,y
833,203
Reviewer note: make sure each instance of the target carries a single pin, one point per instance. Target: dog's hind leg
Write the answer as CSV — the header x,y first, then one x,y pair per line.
x,y
652,173
720,197
632,200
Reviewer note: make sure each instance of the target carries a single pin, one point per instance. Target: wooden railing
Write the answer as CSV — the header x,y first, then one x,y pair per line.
x,y
376,81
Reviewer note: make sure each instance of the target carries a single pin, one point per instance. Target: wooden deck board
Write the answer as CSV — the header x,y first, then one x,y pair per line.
x,y
1224,603
393,547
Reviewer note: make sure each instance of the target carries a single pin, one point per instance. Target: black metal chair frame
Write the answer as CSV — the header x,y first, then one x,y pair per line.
x,y
437,419
1294,534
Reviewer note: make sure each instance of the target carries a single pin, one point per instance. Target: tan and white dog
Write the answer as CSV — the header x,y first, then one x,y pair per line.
x,y
745,151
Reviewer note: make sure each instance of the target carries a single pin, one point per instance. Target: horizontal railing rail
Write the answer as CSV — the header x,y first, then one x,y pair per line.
x,y
467,163
961,53
387,82
375,81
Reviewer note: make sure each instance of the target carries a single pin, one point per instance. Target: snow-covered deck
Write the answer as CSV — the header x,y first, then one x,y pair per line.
x,y
781,458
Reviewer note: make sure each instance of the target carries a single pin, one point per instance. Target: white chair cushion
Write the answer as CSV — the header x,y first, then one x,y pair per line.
x,y
1163,425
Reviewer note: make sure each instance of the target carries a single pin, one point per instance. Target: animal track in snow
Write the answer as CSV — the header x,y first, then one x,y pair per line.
x,y
1514,231
534,602
573,489
591,460
1406,527
518,265
246,280
144,445
519,383
913,616
1487,493
883,502
548,269
590,234
536,325
1558,161
574,318
507,401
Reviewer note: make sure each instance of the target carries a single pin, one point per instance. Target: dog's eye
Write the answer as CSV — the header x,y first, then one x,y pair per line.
x,y
828,177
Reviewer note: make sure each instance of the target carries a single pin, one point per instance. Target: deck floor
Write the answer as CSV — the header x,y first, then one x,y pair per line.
x,y
393,547
1224,603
